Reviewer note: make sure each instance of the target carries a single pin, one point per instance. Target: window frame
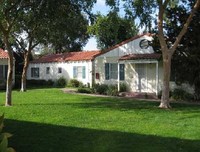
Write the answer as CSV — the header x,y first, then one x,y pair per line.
x,y
35,72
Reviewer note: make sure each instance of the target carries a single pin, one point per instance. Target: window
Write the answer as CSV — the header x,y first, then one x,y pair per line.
x,y
59,70
111,71
35,72
3,71
79,72
47,70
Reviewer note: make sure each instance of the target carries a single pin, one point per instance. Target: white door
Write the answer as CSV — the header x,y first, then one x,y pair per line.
x,y
141,82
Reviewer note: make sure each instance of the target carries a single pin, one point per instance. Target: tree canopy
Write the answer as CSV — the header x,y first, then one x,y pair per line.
x,y
112,29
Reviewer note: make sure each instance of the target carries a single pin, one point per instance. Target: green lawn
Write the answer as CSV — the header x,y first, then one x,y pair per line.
x,y
47,120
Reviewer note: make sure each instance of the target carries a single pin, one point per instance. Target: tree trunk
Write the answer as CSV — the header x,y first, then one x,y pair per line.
x,y
9,80
10,71
166,79
24,73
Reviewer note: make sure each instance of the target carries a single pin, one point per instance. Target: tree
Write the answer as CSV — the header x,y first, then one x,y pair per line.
x,y
145,11
47,22
9,11
185,62
112,29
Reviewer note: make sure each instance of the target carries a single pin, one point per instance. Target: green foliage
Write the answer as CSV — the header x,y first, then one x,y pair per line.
x,y
61,82
34,82
112,90
100,88
4,138
104,89
112,29
123,87
49,82
181,95
74,83
84,90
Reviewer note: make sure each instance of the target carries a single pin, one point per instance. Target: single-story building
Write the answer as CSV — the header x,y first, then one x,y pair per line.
x,y
4,68
132,62
70,65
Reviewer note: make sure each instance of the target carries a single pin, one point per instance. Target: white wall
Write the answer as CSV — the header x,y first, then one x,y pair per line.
x,y
130,72
67,70
131,47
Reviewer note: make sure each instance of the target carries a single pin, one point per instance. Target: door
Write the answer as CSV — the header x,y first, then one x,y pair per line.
x,y
141,82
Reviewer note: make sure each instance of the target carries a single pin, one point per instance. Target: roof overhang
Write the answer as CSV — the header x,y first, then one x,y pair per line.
x,y
140,58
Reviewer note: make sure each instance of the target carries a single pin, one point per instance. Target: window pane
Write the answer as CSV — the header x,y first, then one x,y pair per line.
x,y
113,71
48,70
35,72
59,70
122,73
107,74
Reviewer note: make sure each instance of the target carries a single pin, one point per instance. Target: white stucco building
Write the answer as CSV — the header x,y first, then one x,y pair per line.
x,y
132,62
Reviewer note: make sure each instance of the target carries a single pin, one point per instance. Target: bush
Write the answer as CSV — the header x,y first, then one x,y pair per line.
x,y
84,90
74,83
100,88
33,82
50,82
4,138
61,82
123,87
112,90
180,94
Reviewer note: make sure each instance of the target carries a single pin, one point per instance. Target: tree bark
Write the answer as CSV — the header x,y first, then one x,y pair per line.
x,y
24,73
166,79
10,72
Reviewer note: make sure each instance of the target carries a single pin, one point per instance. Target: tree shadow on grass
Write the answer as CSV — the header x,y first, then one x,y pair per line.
x,y
36,137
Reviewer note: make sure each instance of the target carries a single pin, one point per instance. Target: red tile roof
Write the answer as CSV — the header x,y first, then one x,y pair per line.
x,y
141,56
68,56
3,54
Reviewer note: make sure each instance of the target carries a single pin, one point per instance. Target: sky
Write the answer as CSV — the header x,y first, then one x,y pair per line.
x,y
100,6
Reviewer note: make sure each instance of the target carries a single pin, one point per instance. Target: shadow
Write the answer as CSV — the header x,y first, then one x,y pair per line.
x,y
36,137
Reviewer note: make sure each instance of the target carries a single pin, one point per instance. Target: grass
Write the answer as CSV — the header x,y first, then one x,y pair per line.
x,y
47,120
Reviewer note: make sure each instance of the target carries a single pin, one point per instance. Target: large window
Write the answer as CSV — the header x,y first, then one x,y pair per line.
x,y
79,72
35,72
111,71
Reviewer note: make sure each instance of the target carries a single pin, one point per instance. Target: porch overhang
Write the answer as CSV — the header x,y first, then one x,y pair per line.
x,y
141,59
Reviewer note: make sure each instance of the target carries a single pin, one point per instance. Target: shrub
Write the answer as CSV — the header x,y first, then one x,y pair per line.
x,y
112,90
74,83
4,138
61,82
180,94
84,90
36,82
50,82
123,87
100,88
